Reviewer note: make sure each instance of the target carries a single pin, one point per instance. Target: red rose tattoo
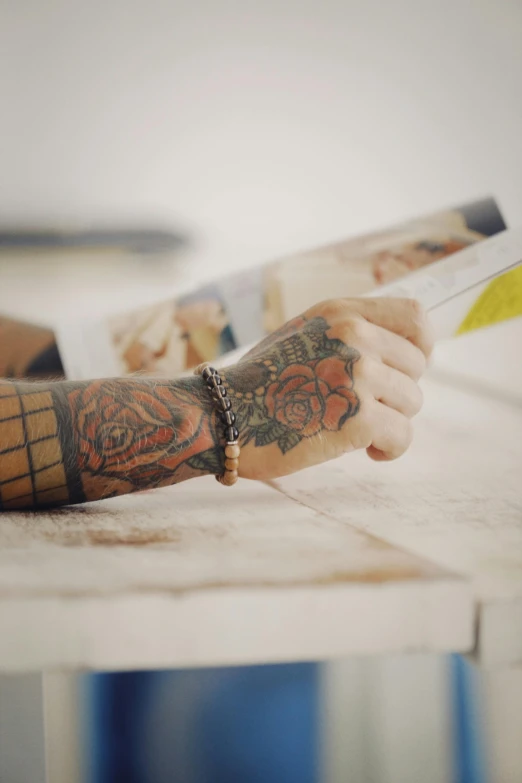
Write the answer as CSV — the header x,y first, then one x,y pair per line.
x,y
134,433
312,397
304,387
142,434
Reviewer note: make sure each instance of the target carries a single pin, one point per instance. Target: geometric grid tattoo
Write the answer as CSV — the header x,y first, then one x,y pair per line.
x,y
31,461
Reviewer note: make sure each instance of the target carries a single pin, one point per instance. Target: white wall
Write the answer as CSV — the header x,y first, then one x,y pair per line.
x,y
270,125
262,127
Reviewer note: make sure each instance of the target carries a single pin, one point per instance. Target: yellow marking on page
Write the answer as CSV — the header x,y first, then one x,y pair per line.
x,y
501,300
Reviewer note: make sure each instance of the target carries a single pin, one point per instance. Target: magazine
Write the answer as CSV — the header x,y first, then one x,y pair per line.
x,y
433,258
476,287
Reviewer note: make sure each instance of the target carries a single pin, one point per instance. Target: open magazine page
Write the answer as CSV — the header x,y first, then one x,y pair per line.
x,y
479,286
476,287
175,335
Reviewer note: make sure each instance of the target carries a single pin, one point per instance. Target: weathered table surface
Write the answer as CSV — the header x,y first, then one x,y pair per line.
x,y
455,498
352,557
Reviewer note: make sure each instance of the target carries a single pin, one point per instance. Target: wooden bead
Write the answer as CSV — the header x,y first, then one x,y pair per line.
x,y
232,450
200,368
229,477
219,394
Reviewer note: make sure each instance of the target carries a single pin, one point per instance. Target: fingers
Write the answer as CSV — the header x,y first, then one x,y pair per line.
x,y
405,317
393,340
393,388
377,456
395,351
393,433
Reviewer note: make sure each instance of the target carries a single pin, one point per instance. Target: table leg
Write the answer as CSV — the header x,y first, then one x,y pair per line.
x,y
62,727
22,746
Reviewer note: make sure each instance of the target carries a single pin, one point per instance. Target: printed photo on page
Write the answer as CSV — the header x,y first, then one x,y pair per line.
x,y
175,335
357,266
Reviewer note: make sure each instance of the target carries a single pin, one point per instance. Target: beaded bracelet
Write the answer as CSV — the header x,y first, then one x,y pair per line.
x,y
228,417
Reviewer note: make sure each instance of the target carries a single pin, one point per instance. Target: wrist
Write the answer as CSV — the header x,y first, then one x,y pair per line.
x,y
200,427
227,435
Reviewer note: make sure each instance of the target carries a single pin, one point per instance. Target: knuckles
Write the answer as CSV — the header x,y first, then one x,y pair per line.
x,y
363,367
419,318
329,308
415,310
362,431
356,328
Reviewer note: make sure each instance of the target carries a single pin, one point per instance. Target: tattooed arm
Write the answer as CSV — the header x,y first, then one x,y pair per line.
x,y
340,377
68,442
28,351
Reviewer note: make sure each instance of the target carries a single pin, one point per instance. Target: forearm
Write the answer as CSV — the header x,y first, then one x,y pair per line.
x,y
71,442
342,376
28,351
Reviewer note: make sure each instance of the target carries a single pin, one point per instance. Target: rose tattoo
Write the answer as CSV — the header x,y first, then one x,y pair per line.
x,y
133,433
303,388
311,397
294,385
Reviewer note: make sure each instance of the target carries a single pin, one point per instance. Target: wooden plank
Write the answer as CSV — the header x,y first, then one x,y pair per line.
x,y
193,575
454,498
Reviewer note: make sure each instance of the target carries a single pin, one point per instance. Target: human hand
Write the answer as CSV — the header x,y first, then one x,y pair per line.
x,y
342,376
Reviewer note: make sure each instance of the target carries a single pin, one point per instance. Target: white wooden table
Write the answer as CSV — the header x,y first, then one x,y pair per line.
x,y
455,498
188,576
349,558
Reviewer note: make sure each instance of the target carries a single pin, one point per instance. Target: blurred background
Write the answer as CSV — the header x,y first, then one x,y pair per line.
x,y
258,128
252,130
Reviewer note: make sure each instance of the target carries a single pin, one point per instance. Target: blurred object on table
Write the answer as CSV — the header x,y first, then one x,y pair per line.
x,y
144,240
